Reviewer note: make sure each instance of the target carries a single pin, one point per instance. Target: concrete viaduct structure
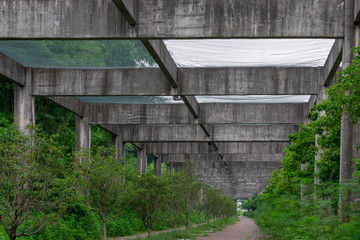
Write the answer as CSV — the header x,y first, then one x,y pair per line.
x,y
237,145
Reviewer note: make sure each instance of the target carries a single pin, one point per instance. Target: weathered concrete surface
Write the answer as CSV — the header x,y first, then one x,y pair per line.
x,y
12,69
24,104
157,166
172,19
313,100
78,19
333,62
224,147
229,157
71,103
210,113
129,9
119,145
347,137
252,113
252,147
233,81
100,82
162,57
219,133
209,81
236,179
140,114
83,133
142,160
284,18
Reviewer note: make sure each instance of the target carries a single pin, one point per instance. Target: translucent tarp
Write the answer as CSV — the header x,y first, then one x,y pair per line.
x,y
250,52
254,99
186,53
201,99
78,54
131,99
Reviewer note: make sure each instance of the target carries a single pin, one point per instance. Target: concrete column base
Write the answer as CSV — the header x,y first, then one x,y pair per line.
x,y
24,105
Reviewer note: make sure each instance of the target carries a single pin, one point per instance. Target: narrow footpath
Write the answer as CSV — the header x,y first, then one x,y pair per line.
x,y
245,229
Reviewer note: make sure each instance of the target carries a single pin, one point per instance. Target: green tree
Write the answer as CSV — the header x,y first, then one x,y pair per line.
x,y
151,198
35,183
102,180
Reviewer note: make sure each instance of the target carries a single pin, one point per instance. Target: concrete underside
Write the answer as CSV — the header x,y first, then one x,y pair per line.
x,y
237,145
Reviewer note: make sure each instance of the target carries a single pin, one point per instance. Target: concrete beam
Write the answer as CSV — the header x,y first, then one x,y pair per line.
x,y
70,103
129,9
333,62
152,82
252,147
247,113
223,113
58,19
178,157
12,69
237,81
100,82
219,133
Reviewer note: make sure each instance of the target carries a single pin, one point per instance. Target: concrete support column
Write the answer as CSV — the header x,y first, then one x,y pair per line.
x,y
347,131
169,167
157,166
142,160
321,96
24,104
83,133
119,146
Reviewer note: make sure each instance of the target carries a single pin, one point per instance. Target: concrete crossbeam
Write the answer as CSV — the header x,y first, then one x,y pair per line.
x,y
58,19
70,103
12,69
219,133
333,62
224,147
152,82
256,81
99,82
224,113
252,113
178,157
252,147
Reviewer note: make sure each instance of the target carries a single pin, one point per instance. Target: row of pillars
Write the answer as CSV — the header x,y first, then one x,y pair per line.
x,y
24,114
350,135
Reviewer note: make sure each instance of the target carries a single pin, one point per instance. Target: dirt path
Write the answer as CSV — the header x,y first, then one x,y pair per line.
x,y
245,229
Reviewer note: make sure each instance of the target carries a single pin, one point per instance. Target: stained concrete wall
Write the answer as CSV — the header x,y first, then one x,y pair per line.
x,y
172,19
